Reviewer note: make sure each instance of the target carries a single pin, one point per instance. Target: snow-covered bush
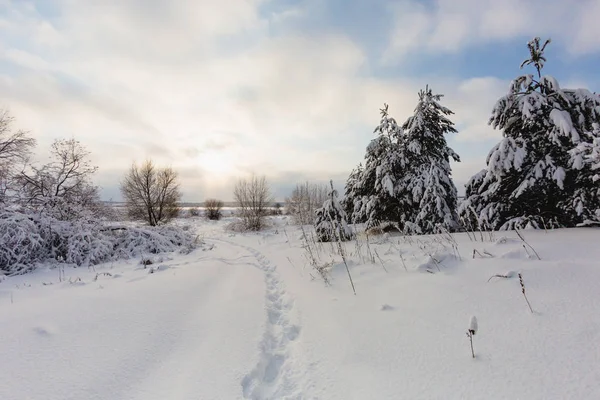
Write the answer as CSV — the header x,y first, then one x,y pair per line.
x,y
31,238
543,173
331,224
133,242
21,242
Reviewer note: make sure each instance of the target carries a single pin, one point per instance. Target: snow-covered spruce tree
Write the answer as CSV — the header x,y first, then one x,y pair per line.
x,y
542,173
428,184
375,191
585,158
368,205
331,223
352,190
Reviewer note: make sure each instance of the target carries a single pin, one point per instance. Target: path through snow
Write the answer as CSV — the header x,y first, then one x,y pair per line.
x,y
187,331
279,373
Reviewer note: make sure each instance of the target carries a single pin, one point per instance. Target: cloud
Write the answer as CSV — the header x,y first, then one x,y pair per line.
x,y
207,88
587,31
473,100
462,172
449,26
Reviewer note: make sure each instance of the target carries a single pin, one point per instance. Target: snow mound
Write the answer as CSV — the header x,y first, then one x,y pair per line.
x,y
516,254
437,262
45,330
506,240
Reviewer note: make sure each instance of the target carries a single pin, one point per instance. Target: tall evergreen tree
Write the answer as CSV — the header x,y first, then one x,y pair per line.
x,y
542,173
432,196
374,191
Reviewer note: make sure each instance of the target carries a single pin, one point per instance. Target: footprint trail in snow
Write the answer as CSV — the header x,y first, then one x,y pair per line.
x,y
278,373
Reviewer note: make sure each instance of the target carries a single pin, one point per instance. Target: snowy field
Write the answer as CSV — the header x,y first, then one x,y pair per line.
x,y
247,316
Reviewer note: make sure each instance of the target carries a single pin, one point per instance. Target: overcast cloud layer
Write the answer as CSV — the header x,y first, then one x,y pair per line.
x,y
290,89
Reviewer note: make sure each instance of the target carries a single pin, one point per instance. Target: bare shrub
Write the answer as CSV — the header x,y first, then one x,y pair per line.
x,y
253,196
213,208
15,148
304,201
194,212
63,187
151,194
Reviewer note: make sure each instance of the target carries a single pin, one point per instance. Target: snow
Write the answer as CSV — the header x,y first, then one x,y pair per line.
x,y
550,82
250,318
388,185
559,176
562,120
473,324
176,333
508,154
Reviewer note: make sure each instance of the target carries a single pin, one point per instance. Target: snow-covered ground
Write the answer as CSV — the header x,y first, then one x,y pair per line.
x,y
246,316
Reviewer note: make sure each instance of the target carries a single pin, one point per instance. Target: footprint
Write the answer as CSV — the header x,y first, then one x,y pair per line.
x,y
274,316
44,330
292,332
273,368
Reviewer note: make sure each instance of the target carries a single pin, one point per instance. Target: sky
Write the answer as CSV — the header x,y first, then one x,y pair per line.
x,y
290,89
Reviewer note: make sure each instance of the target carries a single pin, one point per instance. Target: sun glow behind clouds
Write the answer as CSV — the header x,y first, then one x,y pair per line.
x,y
218,164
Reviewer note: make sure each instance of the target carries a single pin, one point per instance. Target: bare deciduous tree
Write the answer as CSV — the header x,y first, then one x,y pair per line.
x,y
213,208
151,194
253,196
305,199
63,183
15,148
